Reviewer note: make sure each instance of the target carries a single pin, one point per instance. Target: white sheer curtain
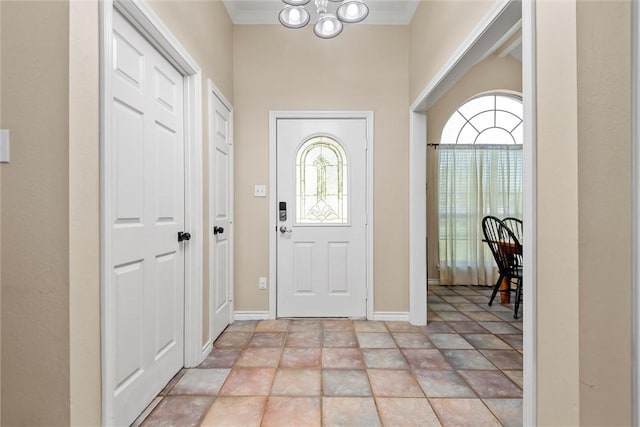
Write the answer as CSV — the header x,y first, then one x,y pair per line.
x,y
474,181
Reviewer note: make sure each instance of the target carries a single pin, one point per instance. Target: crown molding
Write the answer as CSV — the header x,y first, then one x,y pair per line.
x,y
265,12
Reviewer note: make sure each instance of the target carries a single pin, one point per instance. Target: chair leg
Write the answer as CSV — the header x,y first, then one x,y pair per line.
x,y
495,289
518,298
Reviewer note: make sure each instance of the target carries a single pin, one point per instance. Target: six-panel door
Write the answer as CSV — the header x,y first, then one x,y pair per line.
x,y
146,194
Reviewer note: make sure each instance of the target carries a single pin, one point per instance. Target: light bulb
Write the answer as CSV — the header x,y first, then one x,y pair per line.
x,y
328,26
294,16
352,11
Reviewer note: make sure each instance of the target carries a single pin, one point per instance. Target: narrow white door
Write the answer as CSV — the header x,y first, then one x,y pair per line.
x,y
220,213
145,211
321,227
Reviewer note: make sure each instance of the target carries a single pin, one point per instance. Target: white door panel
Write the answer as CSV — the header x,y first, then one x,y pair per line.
x,y
321,256
220,214
146,177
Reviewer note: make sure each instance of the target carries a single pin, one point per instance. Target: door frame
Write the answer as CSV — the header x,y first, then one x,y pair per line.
x,y
273,201
497,21
147,22
635,204
214,91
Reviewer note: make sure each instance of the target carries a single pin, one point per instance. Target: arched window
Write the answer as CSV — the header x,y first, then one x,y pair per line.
x,y
480,173
321,182
486,119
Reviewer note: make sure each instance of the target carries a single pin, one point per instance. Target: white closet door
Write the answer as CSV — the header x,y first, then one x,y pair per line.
x,y
146,193
221,210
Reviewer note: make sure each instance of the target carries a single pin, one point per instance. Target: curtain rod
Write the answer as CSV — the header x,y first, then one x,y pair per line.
x,y
480,146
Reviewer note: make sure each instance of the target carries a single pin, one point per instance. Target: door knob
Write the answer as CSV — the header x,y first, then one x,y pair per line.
x,y
183,236
217,230
284,229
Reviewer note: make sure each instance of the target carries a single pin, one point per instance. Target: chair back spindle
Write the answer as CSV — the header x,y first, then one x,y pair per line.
x,y
515,225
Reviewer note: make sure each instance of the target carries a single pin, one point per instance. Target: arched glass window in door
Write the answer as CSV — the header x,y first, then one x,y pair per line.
x,y
321,182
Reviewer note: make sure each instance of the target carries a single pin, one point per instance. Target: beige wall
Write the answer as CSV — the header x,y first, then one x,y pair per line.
x,y
492,74
604,184
364,69
438,28
205,30
35,214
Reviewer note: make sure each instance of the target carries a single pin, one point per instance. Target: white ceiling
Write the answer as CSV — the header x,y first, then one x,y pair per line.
x,y
381,12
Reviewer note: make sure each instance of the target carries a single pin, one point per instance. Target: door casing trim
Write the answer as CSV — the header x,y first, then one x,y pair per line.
x,y
635,204
147,22
273,202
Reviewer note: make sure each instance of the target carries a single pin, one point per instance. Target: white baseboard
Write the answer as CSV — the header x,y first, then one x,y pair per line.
x,y
391,316
434,282
400,316
207,349
250,315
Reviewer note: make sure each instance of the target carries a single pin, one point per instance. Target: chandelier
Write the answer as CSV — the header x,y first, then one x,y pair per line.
x,y
329,25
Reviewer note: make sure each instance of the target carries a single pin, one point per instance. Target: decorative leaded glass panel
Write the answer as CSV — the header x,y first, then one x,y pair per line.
x,y
321,182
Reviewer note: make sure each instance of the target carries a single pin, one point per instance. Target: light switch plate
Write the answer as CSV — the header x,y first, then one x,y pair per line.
x,y
260,191
4,145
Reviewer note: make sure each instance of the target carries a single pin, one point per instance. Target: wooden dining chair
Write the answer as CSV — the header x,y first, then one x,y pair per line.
x,y
507,252
515,225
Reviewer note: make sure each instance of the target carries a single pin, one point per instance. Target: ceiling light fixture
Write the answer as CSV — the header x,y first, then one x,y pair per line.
x,y
328,25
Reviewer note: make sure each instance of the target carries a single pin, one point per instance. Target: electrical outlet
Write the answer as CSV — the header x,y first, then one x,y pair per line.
x,y
262,283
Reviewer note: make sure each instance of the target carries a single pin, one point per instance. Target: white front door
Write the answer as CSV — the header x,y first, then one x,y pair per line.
x,y
220,213
322,190
144,213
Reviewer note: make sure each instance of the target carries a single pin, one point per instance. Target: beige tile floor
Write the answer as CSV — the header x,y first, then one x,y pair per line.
x,y
463,369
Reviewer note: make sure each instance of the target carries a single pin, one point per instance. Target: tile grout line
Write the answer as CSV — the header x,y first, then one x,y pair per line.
x,y
395,335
